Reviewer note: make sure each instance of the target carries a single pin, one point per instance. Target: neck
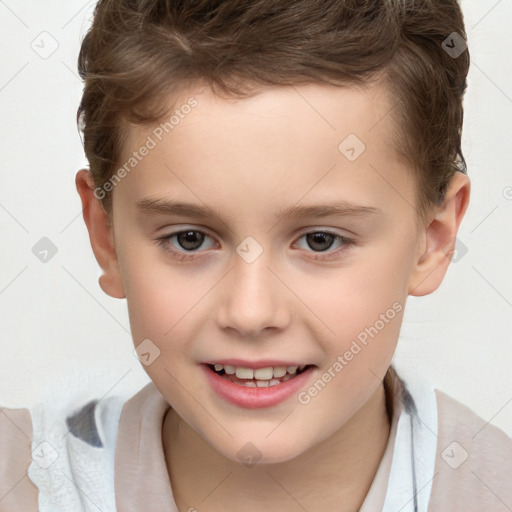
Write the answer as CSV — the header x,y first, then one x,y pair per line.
x,y
335,474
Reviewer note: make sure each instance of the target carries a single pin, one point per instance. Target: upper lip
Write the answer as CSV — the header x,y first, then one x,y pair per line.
x,y
262,363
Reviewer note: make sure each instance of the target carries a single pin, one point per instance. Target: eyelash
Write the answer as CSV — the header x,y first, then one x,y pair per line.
x,y
164,242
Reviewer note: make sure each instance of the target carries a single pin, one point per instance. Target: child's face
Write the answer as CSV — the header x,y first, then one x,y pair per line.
x,y
245,162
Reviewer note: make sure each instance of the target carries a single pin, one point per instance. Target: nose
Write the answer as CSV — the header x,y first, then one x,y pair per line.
x,y
253,299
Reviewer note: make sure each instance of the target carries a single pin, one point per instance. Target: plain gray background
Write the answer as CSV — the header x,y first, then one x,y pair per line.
x,y
58,329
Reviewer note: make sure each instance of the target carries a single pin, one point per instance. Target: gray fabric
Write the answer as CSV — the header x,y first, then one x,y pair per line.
x,y
82,425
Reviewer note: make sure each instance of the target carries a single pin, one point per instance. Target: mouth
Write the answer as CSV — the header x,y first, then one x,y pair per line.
x,y
259,377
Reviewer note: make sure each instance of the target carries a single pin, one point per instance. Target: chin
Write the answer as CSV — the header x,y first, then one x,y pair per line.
x,y
251,452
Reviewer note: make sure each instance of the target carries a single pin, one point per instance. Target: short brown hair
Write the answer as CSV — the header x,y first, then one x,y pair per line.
x,y
137,52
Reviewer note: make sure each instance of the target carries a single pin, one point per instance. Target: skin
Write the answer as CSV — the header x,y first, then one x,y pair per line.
x,y
246,159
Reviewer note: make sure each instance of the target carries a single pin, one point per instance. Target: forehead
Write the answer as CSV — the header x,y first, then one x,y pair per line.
x,y
296,138
309,109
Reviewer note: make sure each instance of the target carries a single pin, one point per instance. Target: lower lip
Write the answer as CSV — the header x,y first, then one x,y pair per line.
x,y
255,398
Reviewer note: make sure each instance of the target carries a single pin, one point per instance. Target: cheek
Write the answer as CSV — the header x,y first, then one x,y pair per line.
x,y
365,311
162,309
156,298
349,299
159,305
361,310
156,292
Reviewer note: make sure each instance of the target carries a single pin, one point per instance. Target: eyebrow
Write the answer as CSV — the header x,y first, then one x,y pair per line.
x,y
178,208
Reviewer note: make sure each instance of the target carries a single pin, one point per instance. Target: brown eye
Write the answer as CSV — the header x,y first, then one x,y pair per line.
x,y
185,244
320,241
190,240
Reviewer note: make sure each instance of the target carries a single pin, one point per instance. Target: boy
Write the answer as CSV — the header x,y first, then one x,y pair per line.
x,y
269,181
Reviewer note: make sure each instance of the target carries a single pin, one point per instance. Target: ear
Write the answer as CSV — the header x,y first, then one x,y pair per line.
x,y
101,235
440,238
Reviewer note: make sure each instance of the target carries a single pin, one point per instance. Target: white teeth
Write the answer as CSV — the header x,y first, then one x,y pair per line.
x,y
250,384
279,371
260,374
261,383
273,382
229,369
244,373
264,373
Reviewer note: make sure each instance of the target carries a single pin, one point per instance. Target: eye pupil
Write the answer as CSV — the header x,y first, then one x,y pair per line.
x,y
325,240
190,239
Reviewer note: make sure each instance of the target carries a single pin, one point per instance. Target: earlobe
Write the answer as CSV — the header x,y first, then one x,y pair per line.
x,y
440,238
101,236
